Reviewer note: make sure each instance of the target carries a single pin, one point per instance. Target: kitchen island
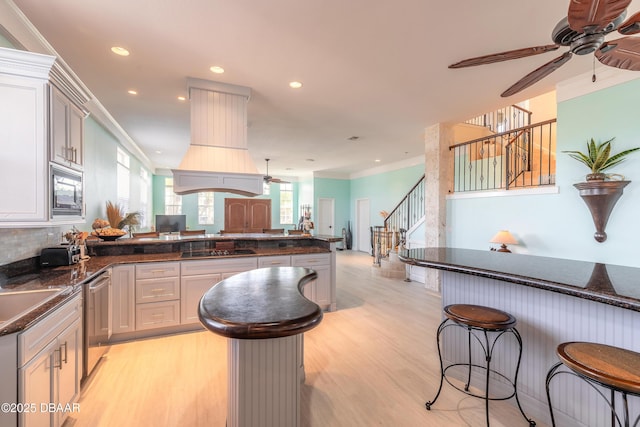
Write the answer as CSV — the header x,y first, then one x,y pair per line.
x,y
554,301
264,315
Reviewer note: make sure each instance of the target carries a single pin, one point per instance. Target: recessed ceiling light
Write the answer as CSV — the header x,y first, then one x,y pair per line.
x,y
132,92
216,69
295,85
120,51
353,138
310,160
182,98
158,152
377,160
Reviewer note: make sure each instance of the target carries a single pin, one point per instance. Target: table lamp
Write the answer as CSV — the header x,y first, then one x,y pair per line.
x,y
504,238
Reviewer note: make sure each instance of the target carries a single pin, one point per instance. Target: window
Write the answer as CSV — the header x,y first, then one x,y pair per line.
x,y
172,201
123,179
205,208
286,203
145,190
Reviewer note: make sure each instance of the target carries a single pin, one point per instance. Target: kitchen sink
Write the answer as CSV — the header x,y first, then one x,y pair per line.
x,y
15,304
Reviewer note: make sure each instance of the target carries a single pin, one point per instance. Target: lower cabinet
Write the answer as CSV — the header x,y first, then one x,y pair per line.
x,y
50,366
319,290
157,295
123,288
198,276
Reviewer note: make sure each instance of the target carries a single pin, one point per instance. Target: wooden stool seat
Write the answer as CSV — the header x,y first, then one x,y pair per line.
x,y
614,367
487,325
480,317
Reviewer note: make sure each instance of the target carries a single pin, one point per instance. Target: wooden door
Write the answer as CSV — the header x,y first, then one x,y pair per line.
x,y
247,215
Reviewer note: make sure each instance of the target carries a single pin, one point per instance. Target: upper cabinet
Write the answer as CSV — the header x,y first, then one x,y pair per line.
x,y
65,130
41,120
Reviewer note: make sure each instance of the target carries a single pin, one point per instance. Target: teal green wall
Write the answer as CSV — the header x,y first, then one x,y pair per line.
x,y
5,43
384,190
560,225
340,191
100,156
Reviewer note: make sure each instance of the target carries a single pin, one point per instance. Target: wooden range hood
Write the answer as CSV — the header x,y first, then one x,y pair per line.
x,y
218,158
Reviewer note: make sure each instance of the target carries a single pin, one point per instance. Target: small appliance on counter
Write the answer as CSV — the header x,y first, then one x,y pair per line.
x,y
60,255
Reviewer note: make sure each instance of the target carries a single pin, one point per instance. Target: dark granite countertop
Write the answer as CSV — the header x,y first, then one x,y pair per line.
x,y
262,303
72,277
605,283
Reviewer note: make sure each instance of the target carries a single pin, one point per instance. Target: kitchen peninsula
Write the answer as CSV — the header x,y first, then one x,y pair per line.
x,y
554,301
264,315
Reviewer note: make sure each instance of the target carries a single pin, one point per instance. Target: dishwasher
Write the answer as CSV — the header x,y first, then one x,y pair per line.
x,y
97,320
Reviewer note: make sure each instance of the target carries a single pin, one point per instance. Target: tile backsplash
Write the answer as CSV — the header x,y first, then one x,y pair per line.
x,y
21,243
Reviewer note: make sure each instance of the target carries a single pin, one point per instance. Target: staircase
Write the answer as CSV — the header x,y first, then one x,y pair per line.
x,y
402,220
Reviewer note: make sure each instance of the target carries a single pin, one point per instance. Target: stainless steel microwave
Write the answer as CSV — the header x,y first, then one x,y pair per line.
x,y
66,192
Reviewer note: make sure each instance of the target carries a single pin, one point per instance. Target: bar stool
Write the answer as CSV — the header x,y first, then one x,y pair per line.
x,y
613,368
479,321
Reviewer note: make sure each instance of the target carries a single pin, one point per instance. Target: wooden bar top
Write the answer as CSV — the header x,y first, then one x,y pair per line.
x,y
261,303
605,283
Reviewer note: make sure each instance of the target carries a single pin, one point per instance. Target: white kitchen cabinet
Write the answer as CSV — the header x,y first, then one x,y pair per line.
x,y
319,290
26,80
198,276
50,366
274,261
23,134
157,295
65,130
123,282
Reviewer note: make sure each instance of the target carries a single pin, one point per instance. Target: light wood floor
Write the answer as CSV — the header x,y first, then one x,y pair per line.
x,y
371,362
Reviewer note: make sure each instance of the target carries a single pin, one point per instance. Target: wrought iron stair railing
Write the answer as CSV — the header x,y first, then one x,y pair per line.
x,y
523,157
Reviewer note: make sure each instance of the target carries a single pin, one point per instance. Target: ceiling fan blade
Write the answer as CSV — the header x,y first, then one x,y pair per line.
x,y
279,181
590,16
504,56
621,53
537,75
631,25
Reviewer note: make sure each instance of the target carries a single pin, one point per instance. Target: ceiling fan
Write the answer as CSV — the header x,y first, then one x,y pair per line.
x,y
583,30
269,179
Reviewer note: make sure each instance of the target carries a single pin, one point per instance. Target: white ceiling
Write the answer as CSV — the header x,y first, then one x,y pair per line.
x,y
370,68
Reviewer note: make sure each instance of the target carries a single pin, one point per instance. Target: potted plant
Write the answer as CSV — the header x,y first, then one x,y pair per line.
x,y
599,193
599,158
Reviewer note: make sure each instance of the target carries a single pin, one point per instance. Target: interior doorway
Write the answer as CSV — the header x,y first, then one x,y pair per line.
x,y
363,224
326,217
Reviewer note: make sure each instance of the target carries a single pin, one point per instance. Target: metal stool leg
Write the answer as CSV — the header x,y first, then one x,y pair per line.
x,y
431,402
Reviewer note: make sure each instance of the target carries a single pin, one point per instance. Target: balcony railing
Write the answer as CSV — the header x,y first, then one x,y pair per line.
x,y
504,119
522,157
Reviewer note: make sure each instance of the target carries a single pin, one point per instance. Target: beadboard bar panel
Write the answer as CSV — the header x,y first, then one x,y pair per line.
x,y
264,382
545,319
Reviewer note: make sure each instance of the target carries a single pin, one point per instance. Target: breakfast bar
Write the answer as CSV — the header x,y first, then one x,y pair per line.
x,y
555,301
264,314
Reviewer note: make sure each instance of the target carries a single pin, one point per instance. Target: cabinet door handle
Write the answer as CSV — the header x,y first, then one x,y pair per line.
x,y
66,360
155,291
59,351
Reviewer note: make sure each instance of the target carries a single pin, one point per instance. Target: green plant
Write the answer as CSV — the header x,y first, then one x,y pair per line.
x,y
598,157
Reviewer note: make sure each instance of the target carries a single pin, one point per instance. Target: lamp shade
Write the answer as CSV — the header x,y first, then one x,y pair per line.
x,y
504,238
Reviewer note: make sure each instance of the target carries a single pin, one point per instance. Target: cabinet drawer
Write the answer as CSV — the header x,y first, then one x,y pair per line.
x,y
34,339
157,315
274,261
152,290
157,269
212,266
310,260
